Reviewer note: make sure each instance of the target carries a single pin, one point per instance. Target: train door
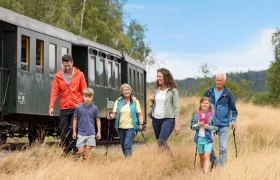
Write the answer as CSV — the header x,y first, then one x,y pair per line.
x,y
7,63
7,59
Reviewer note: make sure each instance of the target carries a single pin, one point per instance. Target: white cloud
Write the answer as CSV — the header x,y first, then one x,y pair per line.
x,y
256,54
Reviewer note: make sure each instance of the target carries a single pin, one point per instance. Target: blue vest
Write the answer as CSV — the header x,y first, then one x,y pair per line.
x,y
121,103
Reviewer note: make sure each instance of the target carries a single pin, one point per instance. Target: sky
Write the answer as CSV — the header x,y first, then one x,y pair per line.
x,y
227,35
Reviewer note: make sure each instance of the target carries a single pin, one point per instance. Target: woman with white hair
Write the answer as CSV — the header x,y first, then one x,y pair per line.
x,y
129,118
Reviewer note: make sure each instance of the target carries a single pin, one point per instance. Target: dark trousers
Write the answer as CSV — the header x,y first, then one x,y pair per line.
x,y
162,129
66,122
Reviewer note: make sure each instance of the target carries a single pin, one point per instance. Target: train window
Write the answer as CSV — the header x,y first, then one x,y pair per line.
x,y
134,81
39,56
93,52
117,75
130,77
110,66
52,58
111,57
25,52
102,55
142,83
64,51
101,71
92,69
138,82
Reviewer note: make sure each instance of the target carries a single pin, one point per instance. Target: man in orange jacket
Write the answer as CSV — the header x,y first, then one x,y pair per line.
x,y
70,83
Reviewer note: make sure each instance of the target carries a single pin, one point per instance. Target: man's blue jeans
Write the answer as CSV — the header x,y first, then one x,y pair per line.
x,y
223,139
126,139
162,129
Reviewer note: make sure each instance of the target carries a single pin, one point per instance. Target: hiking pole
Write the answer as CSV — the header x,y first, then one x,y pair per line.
x,y
195,154
165,146
108,133
233,132
170,152
144,138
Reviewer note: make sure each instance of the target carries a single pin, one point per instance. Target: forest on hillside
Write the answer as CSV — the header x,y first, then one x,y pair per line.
x,y
255,82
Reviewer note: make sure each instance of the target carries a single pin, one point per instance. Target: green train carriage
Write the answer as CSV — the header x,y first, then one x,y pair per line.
x,y
105,70
31,53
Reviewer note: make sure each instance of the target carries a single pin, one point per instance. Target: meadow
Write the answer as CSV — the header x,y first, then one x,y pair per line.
x,y
258,144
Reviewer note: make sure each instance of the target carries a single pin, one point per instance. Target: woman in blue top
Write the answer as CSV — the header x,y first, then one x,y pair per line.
x,y
203,123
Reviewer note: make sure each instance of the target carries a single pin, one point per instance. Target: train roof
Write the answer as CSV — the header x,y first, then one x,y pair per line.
x,y
81,41
35,25
134,62
44,28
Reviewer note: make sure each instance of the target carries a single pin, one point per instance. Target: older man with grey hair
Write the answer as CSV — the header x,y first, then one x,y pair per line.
x,y
225,114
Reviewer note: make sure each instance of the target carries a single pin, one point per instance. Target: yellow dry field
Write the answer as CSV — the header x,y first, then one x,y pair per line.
x,y
258,143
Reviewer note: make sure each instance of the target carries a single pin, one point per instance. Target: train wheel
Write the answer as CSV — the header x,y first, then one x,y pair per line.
x,y
3,138
31,133
41,134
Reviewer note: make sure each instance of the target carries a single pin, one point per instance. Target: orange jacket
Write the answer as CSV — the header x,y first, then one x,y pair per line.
x,y
71,95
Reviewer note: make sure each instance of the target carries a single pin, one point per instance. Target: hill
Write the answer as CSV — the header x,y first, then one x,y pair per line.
x,y
189,86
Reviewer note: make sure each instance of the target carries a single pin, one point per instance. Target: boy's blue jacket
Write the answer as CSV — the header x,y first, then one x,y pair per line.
x,y
121,102
208,132
225,108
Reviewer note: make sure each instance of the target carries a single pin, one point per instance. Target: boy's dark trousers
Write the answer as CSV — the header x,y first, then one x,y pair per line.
x,y
66,122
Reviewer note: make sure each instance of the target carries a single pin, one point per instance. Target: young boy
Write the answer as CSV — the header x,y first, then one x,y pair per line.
x,y
85,116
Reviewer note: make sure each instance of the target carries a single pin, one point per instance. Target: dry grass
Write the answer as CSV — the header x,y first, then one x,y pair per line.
x,y
258,143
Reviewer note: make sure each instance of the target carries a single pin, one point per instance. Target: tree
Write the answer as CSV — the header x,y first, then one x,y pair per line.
x,y
133,44
207,81
240,90
276,43
273,81
98,20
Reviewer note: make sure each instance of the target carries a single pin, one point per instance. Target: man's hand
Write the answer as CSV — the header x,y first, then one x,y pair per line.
x,y
233,125
74,135
51,112
98,136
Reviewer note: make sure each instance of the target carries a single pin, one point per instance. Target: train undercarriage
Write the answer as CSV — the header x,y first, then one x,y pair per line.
x,y
36,128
